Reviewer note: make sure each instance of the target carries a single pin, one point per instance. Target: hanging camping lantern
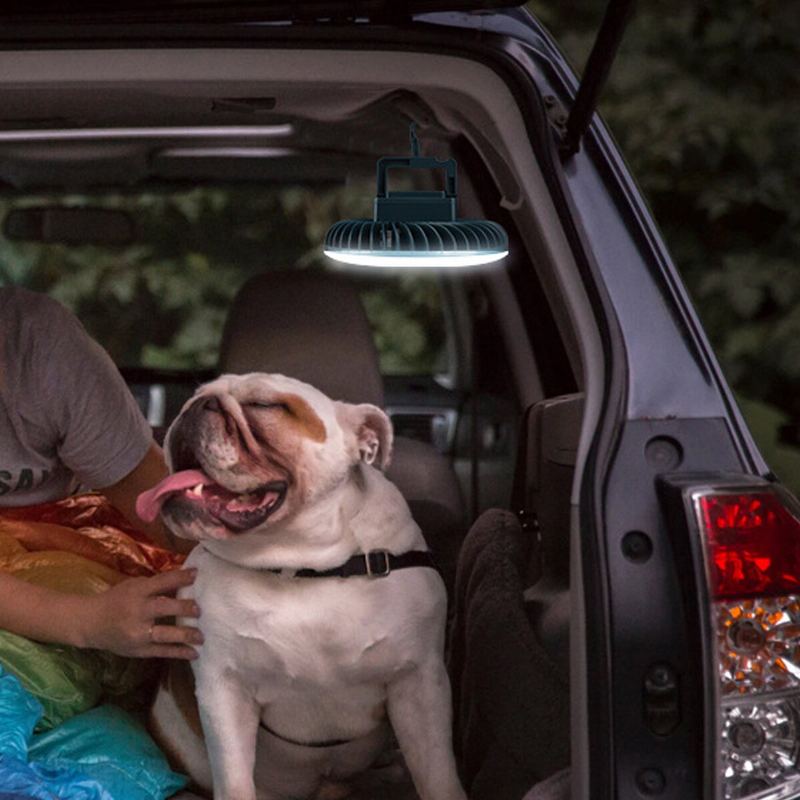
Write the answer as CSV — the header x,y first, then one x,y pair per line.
x,y
416,229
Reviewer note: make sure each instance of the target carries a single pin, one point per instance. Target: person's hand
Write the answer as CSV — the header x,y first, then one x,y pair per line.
x,y
125,619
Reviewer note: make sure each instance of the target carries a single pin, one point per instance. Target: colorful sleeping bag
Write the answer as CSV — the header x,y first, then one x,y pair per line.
x,y
55,744
80,545
103,754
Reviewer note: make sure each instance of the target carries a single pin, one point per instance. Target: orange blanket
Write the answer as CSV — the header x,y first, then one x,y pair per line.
x,y
84,525
81,545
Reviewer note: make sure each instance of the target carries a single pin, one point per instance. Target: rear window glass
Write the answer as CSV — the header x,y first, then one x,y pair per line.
x,y
161,301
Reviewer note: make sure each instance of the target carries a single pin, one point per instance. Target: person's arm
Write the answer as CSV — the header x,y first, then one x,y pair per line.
x,y
100,433
150,470
122,620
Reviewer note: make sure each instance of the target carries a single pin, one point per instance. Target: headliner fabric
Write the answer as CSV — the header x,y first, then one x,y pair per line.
x,y
309,325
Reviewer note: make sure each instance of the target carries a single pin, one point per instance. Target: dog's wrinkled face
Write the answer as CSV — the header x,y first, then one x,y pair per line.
x,y
248,451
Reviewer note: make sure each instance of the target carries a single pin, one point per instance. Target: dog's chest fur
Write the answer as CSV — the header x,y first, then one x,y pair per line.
x,y
315,653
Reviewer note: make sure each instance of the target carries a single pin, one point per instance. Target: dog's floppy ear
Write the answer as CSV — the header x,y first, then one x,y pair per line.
x,y
373,432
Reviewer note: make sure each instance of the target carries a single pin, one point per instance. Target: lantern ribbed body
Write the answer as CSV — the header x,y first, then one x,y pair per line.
x,y
381,237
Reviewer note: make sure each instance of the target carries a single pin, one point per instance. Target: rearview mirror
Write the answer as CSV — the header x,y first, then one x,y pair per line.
x,y
103,226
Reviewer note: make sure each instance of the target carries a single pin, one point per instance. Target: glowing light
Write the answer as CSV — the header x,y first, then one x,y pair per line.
x,y
443,259
418,228
156,132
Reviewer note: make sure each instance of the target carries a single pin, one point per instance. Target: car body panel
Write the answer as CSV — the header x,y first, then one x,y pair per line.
x,y
216,11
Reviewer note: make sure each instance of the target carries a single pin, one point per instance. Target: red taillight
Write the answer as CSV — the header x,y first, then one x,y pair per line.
x,y
753,545
752,552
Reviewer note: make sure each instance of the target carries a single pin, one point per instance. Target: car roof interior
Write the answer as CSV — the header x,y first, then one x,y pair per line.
x,y
77,121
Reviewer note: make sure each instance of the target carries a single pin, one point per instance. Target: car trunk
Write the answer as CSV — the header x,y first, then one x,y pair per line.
x,y
160,103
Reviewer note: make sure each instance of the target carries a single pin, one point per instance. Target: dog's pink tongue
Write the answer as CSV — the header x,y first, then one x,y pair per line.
x,y
149,503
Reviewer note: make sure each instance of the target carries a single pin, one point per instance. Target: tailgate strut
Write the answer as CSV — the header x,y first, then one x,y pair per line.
x,y
615,20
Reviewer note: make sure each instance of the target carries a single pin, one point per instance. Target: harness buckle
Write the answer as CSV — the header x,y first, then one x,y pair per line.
x,y
377,562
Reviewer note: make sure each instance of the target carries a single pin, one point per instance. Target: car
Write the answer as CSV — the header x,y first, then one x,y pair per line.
x,y
621,562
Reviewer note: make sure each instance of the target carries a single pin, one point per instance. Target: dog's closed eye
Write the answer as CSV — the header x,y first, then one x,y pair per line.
x,y
254,404
297,411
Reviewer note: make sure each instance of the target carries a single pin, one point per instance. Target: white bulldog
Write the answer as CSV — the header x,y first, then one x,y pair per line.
x,y
300,675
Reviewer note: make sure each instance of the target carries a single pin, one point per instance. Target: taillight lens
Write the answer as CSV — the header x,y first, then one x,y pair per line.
x,y
759,749
759,645
752,545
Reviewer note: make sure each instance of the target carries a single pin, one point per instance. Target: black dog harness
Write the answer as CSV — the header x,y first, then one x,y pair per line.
x,y
329,743
374,564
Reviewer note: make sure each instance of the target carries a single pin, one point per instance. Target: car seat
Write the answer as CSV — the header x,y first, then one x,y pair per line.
x,y
509,654
511,715
312,326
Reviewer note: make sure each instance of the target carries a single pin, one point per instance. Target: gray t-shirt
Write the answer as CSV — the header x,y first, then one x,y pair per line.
x,y
67,419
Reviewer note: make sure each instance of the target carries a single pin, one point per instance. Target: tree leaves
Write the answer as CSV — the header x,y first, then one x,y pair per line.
x,y
704,99
162,301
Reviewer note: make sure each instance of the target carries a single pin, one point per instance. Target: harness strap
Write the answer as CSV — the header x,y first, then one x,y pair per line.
x,y
375,564
329,743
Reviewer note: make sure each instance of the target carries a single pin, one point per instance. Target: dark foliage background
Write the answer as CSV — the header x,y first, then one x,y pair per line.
x,y
704,100
162,301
